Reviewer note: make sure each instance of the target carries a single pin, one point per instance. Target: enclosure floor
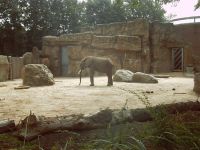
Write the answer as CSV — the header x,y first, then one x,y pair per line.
x,y
66,97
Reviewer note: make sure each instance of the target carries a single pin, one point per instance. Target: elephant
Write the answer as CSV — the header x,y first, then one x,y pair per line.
x,y
99,64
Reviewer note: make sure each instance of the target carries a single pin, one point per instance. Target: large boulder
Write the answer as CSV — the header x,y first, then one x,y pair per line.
x,y
143,78
37,75
197,83
196,63
4,68
123,76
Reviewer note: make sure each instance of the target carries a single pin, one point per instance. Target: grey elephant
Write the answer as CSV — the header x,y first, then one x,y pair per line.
x,y
99,64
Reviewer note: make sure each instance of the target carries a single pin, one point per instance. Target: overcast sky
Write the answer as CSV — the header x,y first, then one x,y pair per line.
x,y
184,8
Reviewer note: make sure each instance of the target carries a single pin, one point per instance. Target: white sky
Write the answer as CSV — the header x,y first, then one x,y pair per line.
x,y
184,8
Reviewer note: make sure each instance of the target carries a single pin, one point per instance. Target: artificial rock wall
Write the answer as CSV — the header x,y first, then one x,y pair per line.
x,y
127,44
16,65
137,45
164,37
4,68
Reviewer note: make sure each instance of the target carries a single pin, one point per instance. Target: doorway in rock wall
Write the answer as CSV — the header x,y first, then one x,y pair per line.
x,y
64,61
177,59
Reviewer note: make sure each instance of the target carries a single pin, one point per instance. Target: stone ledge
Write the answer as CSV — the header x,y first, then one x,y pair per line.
x,y
120,42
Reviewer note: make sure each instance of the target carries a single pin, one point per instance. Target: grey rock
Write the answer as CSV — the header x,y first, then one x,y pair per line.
x,y
121,116
143,78
37,75
123,76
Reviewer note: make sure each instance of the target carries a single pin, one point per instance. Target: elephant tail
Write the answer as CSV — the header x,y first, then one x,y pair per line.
x,y
80,72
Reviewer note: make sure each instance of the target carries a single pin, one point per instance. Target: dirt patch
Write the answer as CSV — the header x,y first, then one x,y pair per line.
x,y
66,97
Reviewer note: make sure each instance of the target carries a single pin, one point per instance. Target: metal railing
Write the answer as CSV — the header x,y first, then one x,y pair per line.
x,y
194,18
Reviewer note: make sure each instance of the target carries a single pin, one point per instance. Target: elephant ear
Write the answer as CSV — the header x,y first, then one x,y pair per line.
x,y
82,63
84,59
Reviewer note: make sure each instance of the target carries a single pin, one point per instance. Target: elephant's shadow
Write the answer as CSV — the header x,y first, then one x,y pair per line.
x,y
95,86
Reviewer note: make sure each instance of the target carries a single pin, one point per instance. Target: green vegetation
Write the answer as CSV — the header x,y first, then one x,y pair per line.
x,y
7,141
179,131
166,131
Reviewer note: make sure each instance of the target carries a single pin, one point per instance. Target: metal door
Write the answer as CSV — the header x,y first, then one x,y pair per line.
x,y
177,59
64,61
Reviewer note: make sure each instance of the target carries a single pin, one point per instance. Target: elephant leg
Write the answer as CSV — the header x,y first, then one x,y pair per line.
x,y
91,77
110,81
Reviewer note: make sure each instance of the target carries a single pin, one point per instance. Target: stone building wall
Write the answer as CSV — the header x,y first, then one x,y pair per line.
x,y
127,44
4,68
191,33
16,65
164,37
137,45
139,28
52,50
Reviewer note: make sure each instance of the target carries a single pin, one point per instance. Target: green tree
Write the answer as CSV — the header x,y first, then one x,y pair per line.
x,y
36,21
197,5
118,11
147,9
106,11
51,17
13,35
98,11
72,12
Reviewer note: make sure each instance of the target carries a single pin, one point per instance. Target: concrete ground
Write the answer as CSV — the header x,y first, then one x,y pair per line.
x,y
66,97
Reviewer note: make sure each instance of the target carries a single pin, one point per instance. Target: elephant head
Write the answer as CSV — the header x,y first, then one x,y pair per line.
x,y
99,64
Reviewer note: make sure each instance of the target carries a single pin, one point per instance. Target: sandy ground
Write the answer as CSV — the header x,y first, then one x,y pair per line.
x,y
66,97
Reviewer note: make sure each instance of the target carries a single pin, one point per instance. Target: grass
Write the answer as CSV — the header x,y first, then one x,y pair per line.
x,y
172,132
7,141
119,139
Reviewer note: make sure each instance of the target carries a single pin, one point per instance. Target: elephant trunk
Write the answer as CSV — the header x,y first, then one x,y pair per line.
x,y
80,71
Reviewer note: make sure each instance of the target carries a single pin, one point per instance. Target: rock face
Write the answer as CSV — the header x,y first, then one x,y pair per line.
x,y
144,78
37,75
123,76
197,83
4,68
123,43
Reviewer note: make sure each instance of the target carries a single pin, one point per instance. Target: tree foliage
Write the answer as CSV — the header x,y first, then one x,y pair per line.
x,y
13,34
24,22
197,6
106,11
